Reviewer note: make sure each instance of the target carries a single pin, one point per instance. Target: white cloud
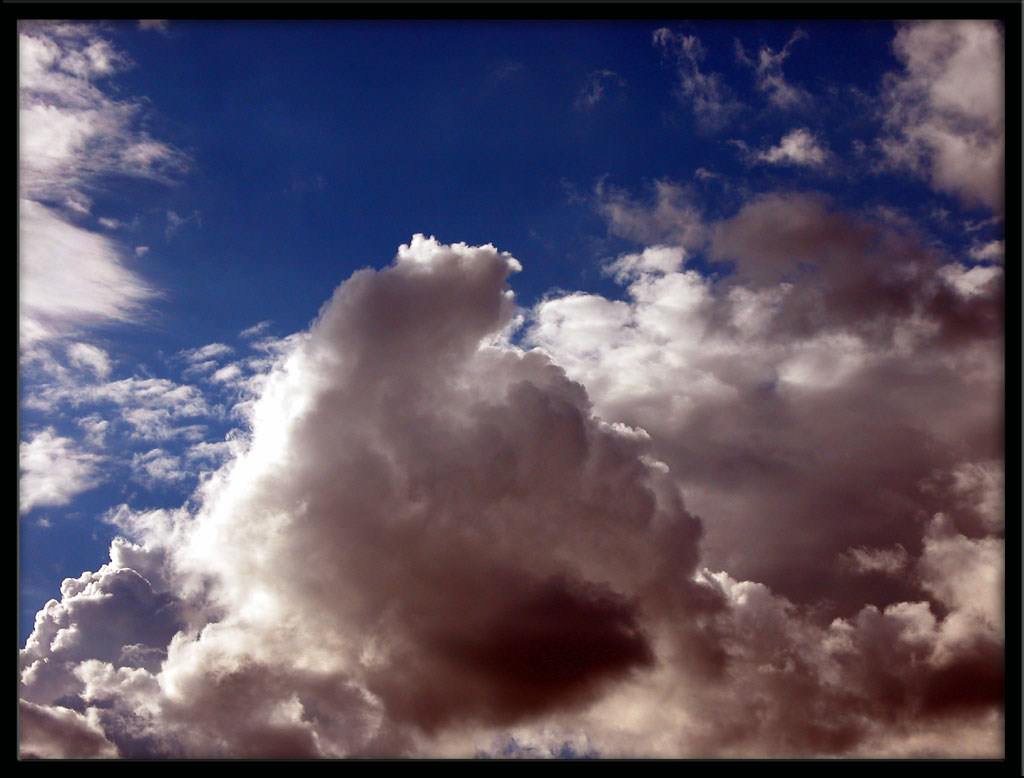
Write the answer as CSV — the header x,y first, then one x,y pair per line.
x,y
57,297
95,430
53,470
255,330
798,146
86,355
226,374
110,224
157,467
201,354
945,108
72,133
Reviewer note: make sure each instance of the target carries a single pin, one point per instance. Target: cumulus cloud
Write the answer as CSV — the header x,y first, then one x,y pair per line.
x,y
769,77
708,96
797,147
431,543
945,108
53,470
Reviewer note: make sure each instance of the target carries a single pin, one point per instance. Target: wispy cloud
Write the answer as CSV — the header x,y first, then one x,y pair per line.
x,y
707,94
769,77
593,91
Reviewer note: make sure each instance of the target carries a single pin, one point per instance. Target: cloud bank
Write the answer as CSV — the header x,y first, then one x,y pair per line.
x,y
434,539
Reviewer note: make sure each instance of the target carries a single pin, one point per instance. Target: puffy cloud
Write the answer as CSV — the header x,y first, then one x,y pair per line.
x,y
945,108
708,96
434,542
769,77
53,470
763,393
797,147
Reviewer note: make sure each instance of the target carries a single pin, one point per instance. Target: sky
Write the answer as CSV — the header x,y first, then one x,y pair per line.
x,y
511,388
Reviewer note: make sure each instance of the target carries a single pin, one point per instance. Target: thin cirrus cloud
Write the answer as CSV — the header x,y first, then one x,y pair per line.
x,y
769,76
706,93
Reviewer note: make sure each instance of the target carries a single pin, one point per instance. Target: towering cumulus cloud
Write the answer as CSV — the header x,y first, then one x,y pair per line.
x,y
428,532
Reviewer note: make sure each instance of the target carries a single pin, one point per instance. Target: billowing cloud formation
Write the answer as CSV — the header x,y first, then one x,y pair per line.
x,y
432,542
946,108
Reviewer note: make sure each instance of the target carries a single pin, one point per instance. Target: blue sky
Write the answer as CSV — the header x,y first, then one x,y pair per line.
x,y
284,156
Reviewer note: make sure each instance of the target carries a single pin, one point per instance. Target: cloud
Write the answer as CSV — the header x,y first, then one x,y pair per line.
x,y
769,77
157,25
707,95
433,542
944,109
47,732
200,354
55,300
886,561
175,222
993,251
593,91
760,391
673,217
85,355
157,467
255,330
72,134
797,147
53,470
